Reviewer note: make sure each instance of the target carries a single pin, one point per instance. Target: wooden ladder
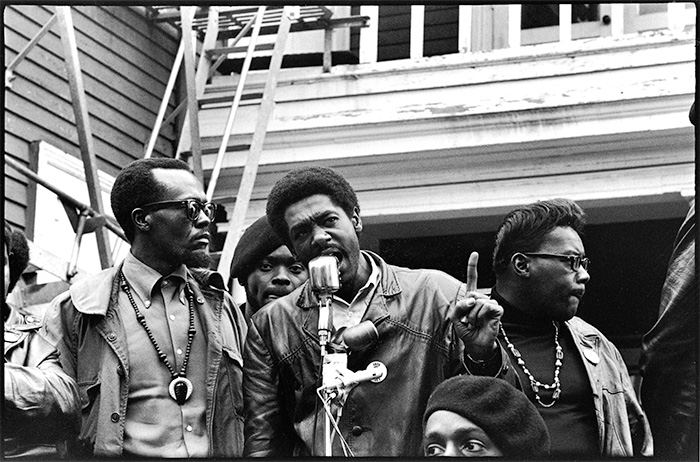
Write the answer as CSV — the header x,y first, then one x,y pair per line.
x,y
233,23
251,20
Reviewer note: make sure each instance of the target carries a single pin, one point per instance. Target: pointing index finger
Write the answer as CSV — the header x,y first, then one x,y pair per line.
x,y
472,275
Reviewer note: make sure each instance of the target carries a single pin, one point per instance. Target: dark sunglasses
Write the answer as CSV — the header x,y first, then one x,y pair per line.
x,y
193,208
575,261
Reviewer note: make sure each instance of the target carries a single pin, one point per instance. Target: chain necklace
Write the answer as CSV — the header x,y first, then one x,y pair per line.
x,y
180,387
536,384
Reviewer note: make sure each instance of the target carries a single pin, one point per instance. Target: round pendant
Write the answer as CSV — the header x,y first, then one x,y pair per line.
x,y
180,390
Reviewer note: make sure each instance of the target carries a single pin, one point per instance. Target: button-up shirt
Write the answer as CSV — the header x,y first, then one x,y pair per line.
x,y
350,314
156,425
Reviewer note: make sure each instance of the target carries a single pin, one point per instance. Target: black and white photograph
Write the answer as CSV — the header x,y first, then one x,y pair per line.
x,y
397,230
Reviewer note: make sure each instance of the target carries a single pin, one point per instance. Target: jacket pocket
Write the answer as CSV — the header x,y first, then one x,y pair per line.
x,y
233,364
228,426
90,406
617,429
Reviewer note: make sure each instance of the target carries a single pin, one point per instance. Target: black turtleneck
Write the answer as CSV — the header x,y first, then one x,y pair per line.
x,y
571,420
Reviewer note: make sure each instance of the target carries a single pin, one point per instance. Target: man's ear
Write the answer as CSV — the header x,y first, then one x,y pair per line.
x,y
521,265
356,220
141,219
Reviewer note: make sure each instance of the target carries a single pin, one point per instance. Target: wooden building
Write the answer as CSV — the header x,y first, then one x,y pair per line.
x,y
443,118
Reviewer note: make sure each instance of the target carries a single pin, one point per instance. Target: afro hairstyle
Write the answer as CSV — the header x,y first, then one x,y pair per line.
x,y
302,183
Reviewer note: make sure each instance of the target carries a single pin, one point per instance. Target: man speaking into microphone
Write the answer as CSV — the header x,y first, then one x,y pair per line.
x,y
316,213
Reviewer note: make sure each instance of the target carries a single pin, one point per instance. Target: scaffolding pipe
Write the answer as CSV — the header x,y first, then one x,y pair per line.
x,y
82,124
234,105
110,223
166,99
186,15
9,72
245,189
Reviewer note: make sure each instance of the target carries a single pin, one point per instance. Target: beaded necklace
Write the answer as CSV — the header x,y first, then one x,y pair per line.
x,y
180,387
536,384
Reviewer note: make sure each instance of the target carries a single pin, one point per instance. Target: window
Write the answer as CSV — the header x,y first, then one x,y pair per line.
x,y
547,14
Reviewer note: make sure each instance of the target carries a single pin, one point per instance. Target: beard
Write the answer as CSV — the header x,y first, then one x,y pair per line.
x,y
197,259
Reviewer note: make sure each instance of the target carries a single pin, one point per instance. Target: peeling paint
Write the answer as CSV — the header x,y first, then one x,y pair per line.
x,y
352,113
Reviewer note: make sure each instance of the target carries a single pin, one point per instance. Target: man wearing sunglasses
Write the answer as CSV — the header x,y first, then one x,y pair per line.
x,y
573,375
154,348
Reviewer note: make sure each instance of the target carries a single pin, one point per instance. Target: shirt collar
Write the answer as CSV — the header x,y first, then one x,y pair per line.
x,y
143,278
369,286
373,278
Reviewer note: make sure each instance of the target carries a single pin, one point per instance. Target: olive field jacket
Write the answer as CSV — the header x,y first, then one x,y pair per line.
x,y
84,324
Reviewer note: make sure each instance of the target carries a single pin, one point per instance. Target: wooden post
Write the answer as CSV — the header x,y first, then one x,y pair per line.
x,y
192,103
82,120
617,19
464,40
327,49
564,22
677,16
417,30
250,170
369,36
514,18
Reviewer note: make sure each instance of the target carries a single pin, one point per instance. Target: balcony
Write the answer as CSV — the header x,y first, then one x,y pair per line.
x,y
599,114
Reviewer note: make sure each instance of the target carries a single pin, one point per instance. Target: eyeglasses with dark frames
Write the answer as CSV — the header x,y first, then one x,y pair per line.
x,y
193,208
575,261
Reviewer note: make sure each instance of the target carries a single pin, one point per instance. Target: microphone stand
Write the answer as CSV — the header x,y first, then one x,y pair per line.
x,y
325,279
324,313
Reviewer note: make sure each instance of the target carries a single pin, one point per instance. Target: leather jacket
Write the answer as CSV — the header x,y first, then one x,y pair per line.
x,y
416,343
41,409
669,360
85,325
623,428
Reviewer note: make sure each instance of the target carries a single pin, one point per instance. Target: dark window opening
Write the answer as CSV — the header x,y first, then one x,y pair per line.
x,y
441,30
547,14
394,40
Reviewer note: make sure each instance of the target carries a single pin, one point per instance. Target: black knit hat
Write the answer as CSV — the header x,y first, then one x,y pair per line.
x,y
503,412
256,243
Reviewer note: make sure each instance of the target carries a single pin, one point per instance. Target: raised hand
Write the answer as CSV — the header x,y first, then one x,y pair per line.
x,y
476,317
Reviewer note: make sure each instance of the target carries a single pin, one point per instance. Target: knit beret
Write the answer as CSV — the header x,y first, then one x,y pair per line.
x,y
256,243
503,412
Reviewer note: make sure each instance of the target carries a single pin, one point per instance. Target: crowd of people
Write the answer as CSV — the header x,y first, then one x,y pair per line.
x,y
153,358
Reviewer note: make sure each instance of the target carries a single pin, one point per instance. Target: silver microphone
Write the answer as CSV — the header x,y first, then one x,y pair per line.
x,y
325,280
323,275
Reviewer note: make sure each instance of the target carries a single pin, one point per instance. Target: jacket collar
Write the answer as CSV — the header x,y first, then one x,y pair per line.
x,y
377,311
387,286
92,295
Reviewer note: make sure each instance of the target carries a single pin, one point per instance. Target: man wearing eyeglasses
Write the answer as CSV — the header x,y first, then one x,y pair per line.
x,y
155,349
574,376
